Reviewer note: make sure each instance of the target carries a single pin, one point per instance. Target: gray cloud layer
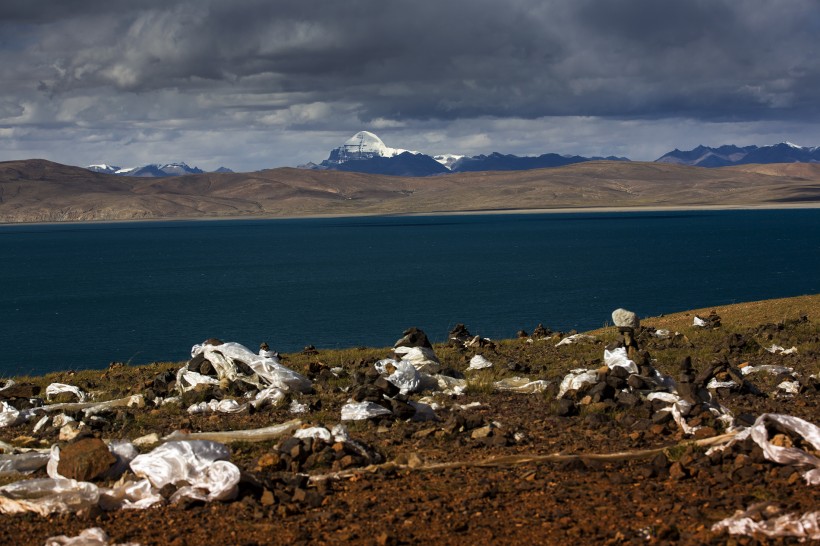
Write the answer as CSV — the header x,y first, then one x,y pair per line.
x,y
264,83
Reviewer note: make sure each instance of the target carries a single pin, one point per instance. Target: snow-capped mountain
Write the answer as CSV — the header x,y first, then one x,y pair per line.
x,y
362,145
367,153
152,170
723,156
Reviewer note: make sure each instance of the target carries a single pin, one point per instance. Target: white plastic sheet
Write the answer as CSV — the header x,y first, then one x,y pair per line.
x,y
714,383
575,338
317,433
59,388
23,463
267,369
521,384
576,379
774,370
699,322
405,376
201,467
478,362
789,387
89,537
129,496
617,358
451,385
358,411
47,496
805,526
217,406
424,359
778,350
787,455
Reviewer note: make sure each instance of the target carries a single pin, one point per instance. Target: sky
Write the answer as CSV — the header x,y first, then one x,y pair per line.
x,y
255,84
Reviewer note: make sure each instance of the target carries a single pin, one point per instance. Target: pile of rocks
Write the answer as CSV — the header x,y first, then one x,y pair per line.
x,y
306,453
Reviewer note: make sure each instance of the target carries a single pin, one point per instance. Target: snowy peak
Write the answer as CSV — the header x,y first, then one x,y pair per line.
x,y
363,145
154,170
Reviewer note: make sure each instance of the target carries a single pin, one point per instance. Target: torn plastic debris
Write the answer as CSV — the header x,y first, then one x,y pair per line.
x,y
521,384
618,358
714,383
47,495
59,388
451,385
227,358
405,375
785,455
789,387
23,463
478,362
423,359
680,408
217,406
11,416
576,379
296,407
200,466
777,349
774,370
699,322
806,526
358,411
93,536
575,338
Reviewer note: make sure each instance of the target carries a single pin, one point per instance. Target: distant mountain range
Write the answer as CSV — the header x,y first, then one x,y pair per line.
x,y
42,191
725,156
366,153
154,170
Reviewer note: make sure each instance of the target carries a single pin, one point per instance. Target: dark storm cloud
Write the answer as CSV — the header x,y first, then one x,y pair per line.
x,y
326,65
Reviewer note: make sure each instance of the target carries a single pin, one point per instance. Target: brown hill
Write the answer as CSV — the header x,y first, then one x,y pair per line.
x,y
42,191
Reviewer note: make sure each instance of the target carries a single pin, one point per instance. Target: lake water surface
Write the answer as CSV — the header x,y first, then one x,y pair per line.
x,y
83,295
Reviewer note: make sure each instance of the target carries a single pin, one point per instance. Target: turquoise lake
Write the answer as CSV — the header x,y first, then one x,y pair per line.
x,y
83,295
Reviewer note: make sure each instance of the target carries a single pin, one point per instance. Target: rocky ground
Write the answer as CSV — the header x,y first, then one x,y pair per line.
x,y
604,463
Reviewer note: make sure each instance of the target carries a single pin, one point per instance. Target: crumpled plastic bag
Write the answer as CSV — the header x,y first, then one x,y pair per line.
x,y
575,338
202,465
521,384
450,385
58,388
129,496
478,362
89,537
267,368
358,411
11,416
405,376
424,359
217,406
576,379
47,495
617,358
778,350
806,526
786,455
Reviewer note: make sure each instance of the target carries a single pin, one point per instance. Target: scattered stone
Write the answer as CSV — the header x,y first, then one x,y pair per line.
x,y
85,459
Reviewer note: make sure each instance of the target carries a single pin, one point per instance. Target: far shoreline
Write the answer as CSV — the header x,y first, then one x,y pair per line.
x,y
472,212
